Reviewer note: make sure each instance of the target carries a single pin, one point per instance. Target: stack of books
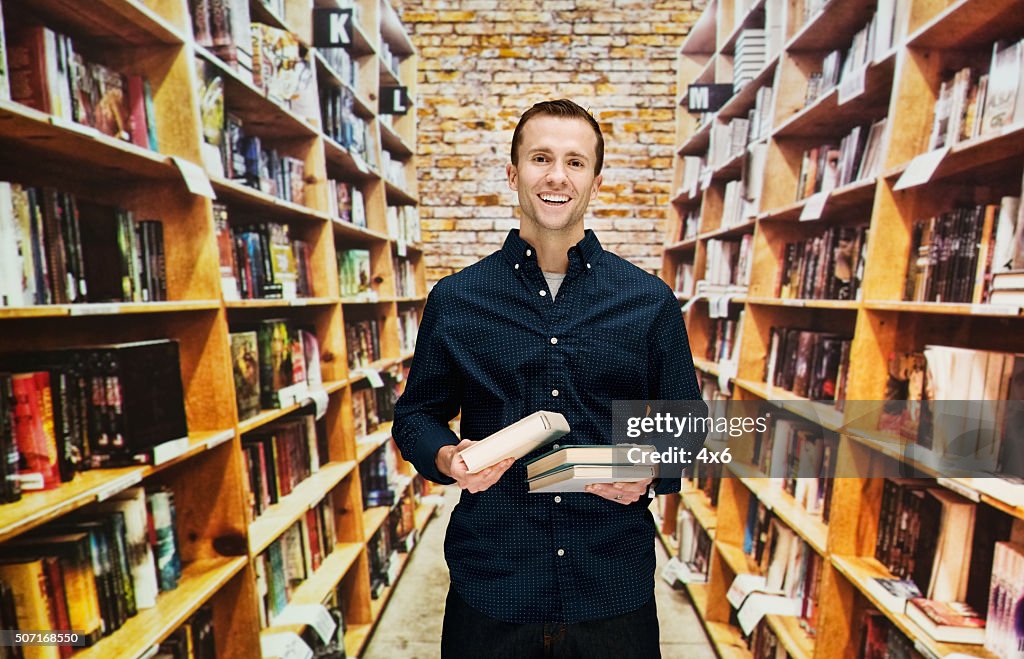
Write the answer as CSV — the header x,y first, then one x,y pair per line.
x,y
751,56
573,468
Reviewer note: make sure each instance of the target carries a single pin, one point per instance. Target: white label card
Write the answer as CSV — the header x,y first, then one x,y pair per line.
x,y
741,586
758,604
401,248
94,310
670,571
315,615
814,207
320,399
118,486
921,169
705,179
285,645
196,180
373,375
853,85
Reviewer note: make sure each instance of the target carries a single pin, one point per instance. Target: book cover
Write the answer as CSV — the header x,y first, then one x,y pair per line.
x,y
246,369
948,622
515,440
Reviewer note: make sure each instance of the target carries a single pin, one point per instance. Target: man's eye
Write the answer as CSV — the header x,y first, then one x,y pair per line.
x,y
540,159
576,163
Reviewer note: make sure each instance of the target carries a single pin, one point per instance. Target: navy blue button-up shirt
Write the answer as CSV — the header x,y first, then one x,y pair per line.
x,y
493,343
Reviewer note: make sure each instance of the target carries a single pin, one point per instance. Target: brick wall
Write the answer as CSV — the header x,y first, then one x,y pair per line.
x,y
483,62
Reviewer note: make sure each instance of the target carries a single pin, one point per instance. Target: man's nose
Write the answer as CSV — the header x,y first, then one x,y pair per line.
x,y
557,173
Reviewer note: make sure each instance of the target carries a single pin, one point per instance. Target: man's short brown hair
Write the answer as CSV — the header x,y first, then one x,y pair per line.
x,y
561,108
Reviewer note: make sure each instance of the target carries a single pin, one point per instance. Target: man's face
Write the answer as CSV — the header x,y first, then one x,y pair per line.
x,y
555,176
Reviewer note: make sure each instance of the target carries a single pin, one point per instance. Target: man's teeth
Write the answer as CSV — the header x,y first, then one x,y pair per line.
x,y
554,198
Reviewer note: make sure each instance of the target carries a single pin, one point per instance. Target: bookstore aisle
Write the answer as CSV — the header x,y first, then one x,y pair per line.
x,y
405,631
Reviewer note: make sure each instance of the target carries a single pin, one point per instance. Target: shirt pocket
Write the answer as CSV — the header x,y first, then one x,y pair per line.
x,y
612,363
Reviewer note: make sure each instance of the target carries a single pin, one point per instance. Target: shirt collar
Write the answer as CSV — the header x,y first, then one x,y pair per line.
x,y
587,250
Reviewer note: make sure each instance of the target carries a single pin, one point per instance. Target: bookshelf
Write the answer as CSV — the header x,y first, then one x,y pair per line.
x,y
901,82
219,542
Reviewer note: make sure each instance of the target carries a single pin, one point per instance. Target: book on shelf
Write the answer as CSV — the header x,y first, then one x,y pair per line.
x,y
515,440
278,457
883,640
194,639
576,477
355,275
1002,100
724,339
223,26
810,364
345,202
362,343
947,622
694,544
408,328
405,277
729,262
800,460
1004,636
893,594
379,478
825,267
403,224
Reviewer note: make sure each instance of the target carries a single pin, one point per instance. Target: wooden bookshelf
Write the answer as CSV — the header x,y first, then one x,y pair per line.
x,y
902,84
218,541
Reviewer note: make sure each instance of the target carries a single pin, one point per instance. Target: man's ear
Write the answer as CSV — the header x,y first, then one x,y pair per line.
x,y
597,184
513,176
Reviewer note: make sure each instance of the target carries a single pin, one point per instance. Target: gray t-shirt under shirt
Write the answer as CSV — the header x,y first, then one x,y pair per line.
x,y
554,280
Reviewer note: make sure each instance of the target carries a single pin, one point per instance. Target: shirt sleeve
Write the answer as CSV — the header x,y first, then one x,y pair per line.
x,y
671,374
431,398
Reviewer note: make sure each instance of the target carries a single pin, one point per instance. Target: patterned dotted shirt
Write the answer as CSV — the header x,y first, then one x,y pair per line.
x,y
494,344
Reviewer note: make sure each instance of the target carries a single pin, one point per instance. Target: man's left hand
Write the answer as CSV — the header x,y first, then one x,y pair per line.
x,y
624,493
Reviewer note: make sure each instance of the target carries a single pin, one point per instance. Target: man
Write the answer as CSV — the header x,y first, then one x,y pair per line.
x,y
550,321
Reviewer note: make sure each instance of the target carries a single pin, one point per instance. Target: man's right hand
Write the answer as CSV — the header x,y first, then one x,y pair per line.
x,y
451,464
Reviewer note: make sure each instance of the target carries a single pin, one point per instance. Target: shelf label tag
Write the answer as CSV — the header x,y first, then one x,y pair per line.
x,y
670,572
757,605
284,645
196,180
814,207
921,169
332,28
853,85
315,615
94,309
692,192
401,248
373,375
319,397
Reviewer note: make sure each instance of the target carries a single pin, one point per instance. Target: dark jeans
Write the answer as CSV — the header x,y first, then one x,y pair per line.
x,y
469,634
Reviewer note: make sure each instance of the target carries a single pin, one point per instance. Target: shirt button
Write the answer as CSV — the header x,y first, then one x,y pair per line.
x,y
517,266
529,252
554,392
543,293
561,552
554,340
558,499
556,446
588,266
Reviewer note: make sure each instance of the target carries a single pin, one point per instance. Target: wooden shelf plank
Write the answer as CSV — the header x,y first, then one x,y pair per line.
x,y
856,195
858,570
729,232
36,508
961,26
281,304
320,584
809,527
236,193
706,515
727,640
741,103
398,196
822,414
393,142
682,246
798,643
361,235
113,22
839,305
107,309
835,22
341,160
266,416
697,144
734,557
699,596
373,518
706,365
944,308
365,446
277,518
748,20
199,581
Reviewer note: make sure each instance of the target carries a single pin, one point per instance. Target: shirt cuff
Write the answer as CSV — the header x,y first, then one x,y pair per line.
x,y
666,485
424,456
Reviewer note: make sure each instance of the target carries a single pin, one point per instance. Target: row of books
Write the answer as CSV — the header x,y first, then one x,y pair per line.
x,y
279,68
391,59
694,546
342,124
684,280
322,640
379,478
362,342
223,26
826,267
344,66
397,535
228,151
394,169
967,254
93,570
724,339
951,561
707,478
288,561
727,141
869,44
345,202
72,409
58,249
408,328
373,406
355,277
274,365
403,224
969,104
789,571
881,639
279,456
810,364
976,431
194,639
44,70
800,461
261,261
405,277
751,57
764,644
826,167
729,262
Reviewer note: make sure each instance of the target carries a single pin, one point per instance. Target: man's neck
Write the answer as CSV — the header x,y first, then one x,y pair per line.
x,y
552,247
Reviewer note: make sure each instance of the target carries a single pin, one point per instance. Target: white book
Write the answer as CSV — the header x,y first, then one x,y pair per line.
x,y
10,260
516,440
132,504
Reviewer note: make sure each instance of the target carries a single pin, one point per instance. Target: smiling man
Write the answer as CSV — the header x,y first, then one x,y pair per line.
x,y
551,321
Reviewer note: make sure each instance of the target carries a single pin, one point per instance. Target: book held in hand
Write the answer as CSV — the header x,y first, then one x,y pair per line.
x,y
575,478
581,454
516,440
